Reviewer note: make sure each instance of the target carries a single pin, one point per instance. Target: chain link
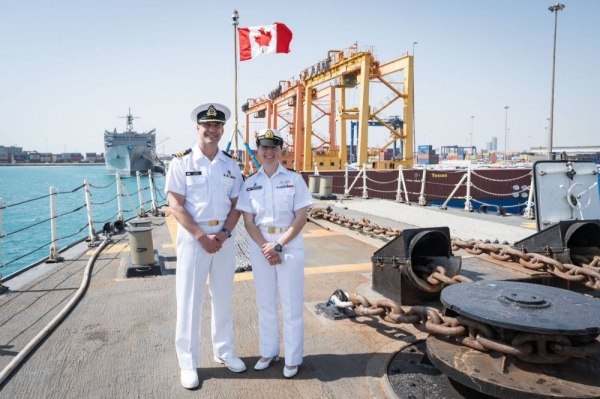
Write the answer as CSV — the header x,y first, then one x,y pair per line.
x,y
363,224
526,346
588,273
434,275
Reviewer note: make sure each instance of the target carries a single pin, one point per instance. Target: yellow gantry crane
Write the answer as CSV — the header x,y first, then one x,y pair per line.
x,y
343,69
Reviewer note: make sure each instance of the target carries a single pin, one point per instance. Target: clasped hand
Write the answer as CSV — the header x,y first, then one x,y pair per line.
x,y
212,243
272,256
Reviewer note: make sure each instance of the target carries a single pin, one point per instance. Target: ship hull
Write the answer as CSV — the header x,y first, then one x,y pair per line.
x,y
127,160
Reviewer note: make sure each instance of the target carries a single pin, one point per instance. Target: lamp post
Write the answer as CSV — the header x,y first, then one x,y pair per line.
x,y
546,132
555,9
472,117
413,111
505,131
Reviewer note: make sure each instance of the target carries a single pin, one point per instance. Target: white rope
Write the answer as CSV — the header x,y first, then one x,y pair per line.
x,y
498,195
382,191
382,182
501,180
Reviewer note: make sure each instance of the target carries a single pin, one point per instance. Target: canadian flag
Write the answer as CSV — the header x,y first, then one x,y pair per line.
x,y
258,40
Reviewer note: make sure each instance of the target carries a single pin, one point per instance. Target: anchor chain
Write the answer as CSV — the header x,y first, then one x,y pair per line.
x,y
588,273
433,274
437,275
526,346
363,224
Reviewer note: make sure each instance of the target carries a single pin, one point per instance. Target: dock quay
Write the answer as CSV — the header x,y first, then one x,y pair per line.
x,y
118,339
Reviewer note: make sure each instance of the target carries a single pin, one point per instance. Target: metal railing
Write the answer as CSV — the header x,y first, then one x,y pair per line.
x,y
471,188
104,207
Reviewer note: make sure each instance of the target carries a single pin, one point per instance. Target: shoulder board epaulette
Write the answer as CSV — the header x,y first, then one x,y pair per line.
x,y
226,154
290,169
253,173
182,153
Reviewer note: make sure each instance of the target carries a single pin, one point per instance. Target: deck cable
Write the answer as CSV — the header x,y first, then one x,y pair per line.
x,y
54,322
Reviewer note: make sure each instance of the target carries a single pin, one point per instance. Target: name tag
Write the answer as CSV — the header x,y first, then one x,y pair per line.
x,y
254,188
198,173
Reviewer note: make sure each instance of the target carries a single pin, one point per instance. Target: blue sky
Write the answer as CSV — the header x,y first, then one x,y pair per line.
x,y
69,68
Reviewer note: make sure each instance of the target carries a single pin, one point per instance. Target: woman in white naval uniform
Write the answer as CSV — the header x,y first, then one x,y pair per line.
x,y
274,202
202,186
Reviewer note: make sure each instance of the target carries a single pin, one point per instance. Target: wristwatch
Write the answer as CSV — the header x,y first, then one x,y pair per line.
x,y
226,231
278,247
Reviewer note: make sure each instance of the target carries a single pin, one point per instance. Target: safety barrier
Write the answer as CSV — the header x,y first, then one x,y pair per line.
x,y
97,200
475,187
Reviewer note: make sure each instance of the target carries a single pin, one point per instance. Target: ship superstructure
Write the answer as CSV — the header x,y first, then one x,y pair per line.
x,y
129,151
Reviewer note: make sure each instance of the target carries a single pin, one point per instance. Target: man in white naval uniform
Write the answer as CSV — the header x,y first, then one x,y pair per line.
x,y
202,186
275,203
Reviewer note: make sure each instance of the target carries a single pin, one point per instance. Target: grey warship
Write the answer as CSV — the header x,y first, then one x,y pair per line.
x,y
129,151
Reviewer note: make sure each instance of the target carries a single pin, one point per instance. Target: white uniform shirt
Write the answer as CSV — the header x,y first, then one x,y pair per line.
x,y
208,187
273,201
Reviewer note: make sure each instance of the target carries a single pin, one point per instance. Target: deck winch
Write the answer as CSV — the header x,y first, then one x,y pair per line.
x,y
402,268
525,340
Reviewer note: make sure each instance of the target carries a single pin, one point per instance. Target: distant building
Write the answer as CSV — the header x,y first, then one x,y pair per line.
x,y
33,156
69,157
494,144
7,154
12,150
15,154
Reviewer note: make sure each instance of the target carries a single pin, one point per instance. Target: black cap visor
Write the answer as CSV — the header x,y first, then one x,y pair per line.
x,y
274,142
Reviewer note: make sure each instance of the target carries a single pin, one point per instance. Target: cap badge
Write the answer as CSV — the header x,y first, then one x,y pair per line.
x,y
212,111
269,134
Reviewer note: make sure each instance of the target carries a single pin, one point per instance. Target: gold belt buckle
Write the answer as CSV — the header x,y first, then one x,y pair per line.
x,y
213,222
272,230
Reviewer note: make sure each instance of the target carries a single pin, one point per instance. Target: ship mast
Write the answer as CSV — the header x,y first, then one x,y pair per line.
x,y
129,124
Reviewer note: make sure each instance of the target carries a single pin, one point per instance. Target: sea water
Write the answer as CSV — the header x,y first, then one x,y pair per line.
x,y
25,228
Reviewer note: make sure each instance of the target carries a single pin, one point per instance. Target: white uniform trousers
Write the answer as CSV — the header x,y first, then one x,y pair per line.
x,y
194,264
289,277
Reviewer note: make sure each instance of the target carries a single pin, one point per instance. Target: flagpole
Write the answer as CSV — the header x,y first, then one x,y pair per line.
x,y
235,23
236,132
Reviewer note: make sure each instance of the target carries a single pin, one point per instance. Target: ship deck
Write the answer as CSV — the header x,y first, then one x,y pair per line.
x,y
118,341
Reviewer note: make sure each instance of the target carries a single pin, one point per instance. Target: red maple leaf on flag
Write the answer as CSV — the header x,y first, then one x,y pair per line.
x,y
264,38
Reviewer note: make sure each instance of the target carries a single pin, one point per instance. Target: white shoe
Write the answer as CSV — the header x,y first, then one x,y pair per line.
x,y
289,373
189,379
233,363
263,365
